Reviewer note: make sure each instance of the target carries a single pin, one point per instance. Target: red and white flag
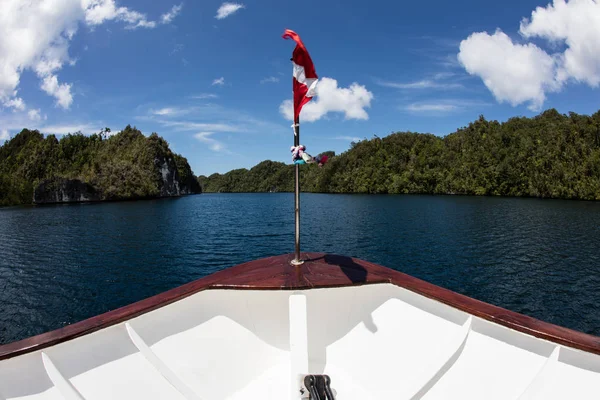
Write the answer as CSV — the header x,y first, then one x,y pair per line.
x,y
305,77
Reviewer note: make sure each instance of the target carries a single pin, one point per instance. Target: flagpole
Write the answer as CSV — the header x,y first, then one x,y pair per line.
x,y
296,260
304,81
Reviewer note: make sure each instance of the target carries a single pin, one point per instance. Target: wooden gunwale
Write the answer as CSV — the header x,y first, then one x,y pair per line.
x,y
318,271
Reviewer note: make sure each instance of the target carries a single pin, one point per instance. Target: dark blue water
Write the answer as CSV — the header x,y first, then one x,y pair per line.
x,y
62,264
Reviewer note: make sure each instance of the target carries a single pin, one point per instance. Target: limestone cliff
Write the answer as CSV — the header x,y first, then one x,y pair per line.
x,y
176,177
60,190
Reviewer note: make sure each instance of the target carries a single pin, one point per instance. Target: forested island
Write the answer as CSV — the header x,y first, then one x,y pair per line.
x,y
550,156
98,167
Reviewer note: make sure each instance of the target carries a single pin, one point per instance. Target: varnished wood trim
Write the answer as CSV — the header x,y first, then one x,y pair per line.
x,y
319,271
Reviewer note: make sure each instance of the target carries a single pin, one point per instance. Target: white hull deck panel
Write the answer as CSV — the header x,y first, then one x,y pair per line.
x,y
377,341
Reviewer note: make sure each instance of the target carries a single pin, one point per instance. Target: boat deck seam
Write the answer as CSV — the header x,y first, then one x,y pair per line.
x,y
551,360
433,377
159,365
62,384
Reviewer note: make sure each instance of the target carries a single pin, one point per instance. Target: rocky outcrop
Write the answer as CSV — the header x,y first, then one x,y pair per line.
x,y
190,184
169,183
60,190
175,180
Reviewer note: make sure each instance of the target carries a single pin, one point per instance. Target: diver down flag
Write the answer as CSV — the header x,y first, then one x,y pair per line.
x,y
305,77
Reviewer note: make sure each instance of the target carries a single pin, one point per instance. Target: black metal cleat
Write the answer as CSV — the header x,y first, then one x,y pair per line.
x,y
319,387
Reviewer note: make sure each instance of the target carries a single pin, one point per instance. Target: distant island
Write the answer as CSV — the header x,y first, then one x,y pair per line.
x,y
98,167
549,156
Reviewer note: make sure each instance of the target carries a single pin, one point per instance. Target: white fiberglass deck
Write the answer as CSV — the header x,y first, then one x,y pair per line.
x,y
375,341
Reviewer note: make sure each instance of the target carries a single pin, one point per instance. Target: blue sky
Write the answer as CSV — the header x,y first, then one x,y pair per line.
x,y
214,87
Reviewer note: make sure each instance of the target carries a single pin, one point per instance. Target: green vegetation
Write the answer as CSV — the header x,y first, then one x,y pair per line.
x,y
551,156
123,166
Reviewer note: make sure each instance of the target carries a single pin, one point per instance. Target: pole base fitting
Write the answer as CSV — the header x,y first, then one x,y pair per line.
x,y
296,262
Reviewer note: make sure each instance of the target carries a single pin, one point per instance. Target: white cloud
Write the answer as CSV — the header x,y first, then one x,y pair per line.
x,y
213,144
166,18
169,112
175,111
16,103
210,118
166,111
227,9
444,75
62,91
34,115
35,35
348,138
350,101
4,135
99,11
436,81
422,84
577,24
195,126
219,81
428,107
442,106
16,121
524,73
271,79
178,47
65,129
204,96
515,73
